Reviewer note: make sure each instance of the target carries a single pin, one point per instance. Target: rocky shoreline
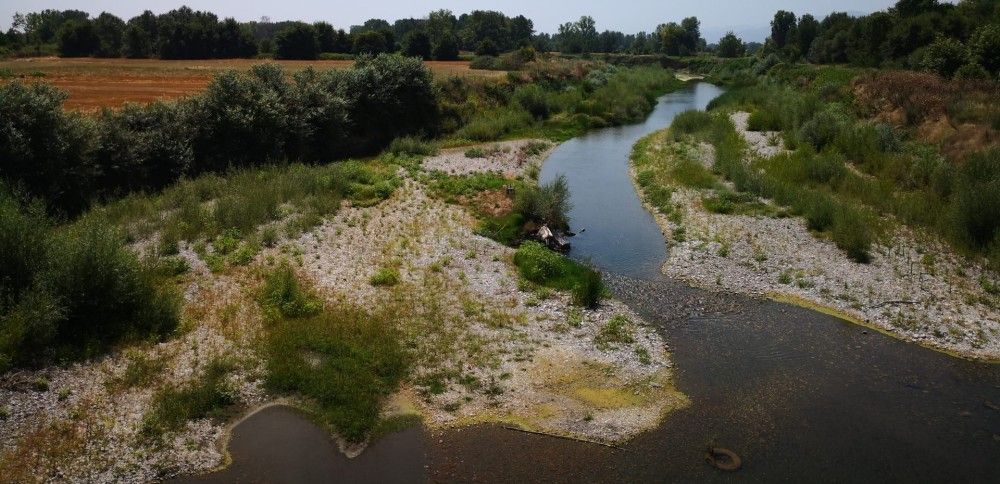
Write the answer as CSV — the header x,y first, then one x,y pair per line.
x,y
915,287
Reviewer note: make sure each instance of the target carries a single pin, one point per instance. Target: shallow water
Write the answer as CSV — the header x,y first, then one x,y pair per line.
x,y
615,232
801,396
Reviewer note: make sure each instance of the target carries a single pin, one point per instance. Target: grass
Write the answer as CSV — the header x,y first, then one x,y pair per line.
x,y
539,265
344,361
617,331
208,396
285,296
385,277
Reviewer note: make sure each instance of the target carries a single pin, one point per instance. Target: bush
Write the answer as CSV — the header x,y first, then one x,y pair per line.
x,y
72,293
824,127
945,56
385,277
852,233
283,295
764,120
414,146
207,396
546,204
976,201
540,265
494,125
535,100
345,361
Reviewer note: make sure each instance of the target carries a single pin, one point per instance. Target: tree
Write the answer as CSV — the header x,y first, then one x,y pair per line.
x,y
109,30
692,34
945,56
731,46
326,36
139,37
806,33
578,37
297,42
417,44
782,28
984,48
77,38
484,28
186,34
672,39
521,30
910,8
234,40
371,43
446,48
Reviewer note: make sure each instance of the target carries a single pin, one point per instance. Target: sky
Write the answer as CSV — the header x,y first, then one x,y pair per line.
x,y
748,18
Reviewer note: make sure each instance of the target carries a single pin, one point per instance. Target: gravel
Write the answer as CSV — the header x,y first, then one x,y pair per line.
x,y
915,286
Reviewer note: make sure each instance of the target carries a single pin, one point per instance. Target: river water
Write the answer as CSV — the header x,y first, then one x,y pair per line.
x,y
801,396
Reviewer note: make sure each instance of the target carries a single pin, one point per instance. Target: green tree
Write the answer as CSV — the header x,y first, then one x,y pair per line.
x,y
77,38
109,30
806,33
731,46
945,56
297,41
234,40
984,48
446,48
371,42
782,28
417,43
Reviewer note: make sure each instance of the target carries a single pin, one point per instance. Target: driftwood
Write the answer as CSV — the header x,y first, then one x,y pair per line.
x,y
552,240
891,303
558,436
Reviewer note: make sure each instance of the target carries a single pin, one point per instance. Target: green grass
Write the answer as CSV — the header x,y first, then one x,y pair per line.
x,y
208,396
617,331
344,362
412,146
385,277
285,296
539,265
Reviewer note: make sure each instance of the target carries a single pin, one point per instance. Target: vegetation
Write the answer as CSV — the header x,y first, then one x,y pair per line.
x,y
70,160
343,360
73,292
541,266
206,397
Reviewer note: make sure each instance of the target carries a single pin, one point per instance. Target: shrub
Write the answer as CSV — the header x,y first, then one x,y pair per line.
x,y
385,277
535,100
945,56
852,233
346,361
617,331
546,204
414,146
283,295
824,127
540,265
764,120
207,396
976,201
589,289
494,125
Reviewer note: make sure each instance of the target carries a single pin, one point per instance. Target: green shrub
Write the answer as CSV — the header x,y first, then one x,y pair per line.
x,y
494,125
414,146
346,361
207,396
540,265
690,122
764,120
617,331
546,204
283,295
535,100
385,277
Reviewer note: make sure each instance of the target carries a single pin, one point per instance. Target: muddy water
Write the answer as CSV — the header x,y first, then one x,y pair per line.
x,y
801,396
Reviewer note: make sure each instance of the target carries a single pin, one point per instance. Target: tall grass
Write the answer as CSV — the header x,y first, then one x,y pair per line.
x,y
542,266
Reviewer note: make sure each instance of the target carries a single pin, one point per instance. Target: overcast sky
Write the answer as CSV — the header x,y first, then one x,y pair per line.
x,y
749,18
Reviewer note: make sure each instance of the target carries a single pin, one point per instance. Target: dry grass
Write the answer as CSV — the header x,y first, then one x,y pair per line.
x,y
96,83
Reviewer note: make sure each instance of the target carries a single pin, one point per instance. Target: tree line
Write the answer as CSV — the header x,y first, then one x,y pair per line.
x,y
949,39
185,33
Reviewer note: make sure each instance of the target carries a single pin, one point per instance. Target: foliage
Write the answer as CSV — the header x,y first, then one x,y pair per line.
x,y
731,46
283,295
546,204
74,292
297,41
207,396
539,265
344,360
413,146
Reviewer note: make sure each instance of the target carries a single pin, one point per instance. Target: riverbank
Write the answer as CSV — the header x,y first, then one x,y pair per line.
x,y
485,346
914,287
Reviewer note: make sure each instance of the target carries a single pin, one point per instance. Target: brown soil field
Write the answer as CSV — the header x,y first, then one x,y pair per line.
x,y
96,83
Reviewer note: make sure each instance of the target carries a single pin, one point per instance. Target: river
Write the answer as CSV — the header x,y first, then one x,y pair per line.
x,y
800,395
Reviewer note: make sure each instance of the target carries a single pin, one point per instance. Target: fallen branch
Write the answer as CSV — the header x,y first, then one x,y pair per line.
x,y
558,436
888,303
